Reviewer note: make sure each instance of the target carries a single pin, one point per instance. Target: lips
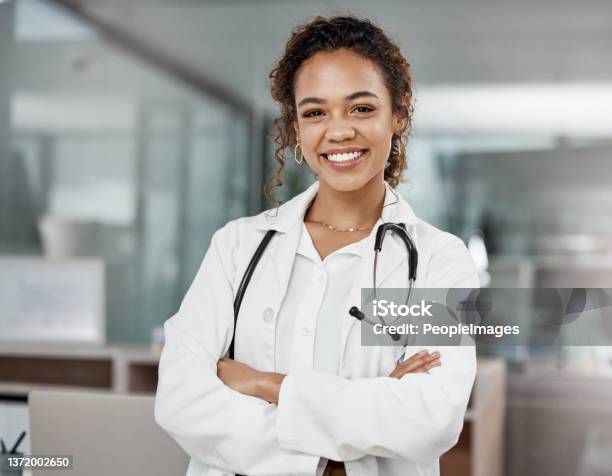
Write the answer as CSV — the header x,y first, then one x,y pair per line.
x,y
342,156
343,163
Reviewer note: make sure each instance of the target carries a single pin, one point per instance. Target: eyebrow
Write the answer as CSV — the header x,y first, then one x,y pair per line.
x,y
350,97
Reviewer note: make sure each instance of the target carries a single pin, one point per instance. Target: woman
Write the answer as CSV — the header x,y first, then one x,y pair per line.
x,y
302,395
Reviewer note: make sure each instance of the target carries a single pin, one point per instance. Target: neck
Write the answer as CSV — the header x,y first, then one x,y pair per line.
x,y
348,209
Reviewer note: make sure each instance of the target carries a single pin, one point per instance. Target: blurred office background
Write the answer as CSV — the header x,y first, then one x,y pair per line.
x,y
131,130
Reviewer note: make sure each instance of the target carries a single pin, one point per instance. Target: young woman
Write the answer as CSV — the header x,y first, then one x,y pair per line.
x,y
303,396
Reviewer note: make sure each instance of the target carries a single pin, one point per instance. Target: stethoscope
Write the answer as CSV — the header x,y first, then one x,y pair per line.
x,y
413,258
398,228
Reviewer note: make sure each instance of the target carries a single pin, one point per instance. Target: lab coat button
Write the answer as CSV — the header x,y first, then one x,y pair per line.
x,y
321,278
268,314
304,331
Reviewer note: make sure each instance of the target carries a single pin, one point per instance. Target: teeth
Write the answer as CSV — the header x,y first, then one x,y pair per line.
x,y
344,157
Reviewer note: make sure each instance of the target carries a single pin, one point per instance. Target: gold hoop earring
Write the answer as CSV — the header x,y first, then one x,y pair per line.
x,y
299,162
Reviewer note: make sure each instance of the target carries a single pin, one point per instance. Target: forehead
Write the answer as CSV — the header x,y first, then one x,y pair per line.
x,y
336,74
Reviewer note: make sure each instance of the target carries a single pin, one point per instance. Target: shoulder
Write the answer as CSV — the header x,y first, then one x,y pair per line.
x,y
437,240
445,258
431,241
244,231
235,231
252,228
237,239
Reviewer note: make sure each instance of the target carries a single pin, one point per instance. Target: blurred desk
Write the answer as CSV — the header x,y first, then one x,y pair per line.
x,y
133,369
120,369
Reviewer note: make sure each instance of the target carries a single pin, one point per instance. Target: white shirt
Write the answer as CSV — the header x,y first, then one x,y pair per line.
x,y
316,300
315,305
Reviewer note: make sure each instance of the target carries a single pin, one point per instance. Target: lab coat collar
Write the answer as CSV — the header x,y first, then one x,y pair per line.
x,y
288,219
291,213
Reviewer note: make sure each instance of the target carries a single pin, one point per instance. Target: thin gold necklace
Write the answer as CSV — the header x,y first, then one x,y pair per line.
x,y
335,228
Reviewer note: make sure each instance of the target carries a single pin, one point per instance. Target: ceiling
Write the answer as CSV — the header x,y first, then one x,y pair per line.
x,y
232,45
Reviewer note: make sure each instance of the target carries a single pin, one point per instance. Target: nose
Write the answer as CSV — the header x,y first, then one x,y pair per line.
x,y
339,130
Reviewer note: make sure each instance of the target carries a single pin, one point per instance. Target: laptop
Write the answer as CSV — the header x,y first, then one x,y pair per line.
x,y
107,434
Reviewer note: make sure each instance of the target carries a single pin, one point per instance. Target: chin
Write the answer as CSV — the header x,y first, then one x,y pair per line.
x,y
345,183
349,180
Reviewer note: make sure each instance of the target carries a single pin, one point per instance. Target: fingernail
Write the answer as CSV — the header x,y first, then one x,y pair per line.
x,y
436,354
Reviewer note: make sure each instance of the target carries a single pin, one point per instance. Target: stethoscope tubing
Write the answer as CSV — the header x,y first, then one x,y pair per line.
x,y
398,228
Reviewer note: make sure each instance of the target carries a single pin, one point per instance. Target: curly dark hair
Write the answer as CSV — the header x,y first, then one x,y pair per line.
x,y
327,34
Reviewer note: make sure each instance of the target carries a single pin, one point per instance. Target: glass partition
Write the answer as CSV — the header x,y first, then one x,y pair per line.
x,y
108,156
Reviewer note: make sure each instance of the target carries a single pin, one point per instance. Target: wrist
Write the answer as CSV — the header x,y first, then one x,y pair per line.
x,y
268,386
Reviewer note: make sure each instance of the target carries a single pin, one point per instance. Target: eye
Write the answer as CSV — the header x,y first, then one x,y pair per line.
x,y
363,108
314,113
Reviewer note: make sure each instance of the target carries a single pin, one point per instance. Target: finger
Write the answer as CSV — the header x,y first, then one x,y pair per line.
x,y
414,357
431,362
413,363
431,366
420,353
427,366
433,357
425,356
420,364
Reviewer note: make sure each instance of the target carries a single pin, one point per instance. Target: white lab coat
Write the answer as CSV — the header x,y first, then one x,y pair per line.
x,y
376,424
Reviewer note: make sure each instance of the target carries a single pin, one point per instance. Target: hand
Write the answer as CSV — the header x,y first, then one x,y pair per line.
x,y
248,381
238,376
422,361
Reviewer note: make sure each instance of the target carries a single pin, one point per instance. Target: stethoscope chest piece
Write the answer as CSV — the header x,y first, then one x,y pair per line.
x,y
413,258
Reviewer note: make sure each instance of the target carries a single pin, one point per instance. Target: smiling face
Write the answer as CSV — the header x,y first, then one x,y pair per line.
x,y
345,121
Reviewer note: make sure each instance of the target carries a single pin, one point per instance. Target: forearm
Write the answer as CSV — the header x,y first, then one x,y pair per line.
x,y
417,417
268,386
214,423
249,381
